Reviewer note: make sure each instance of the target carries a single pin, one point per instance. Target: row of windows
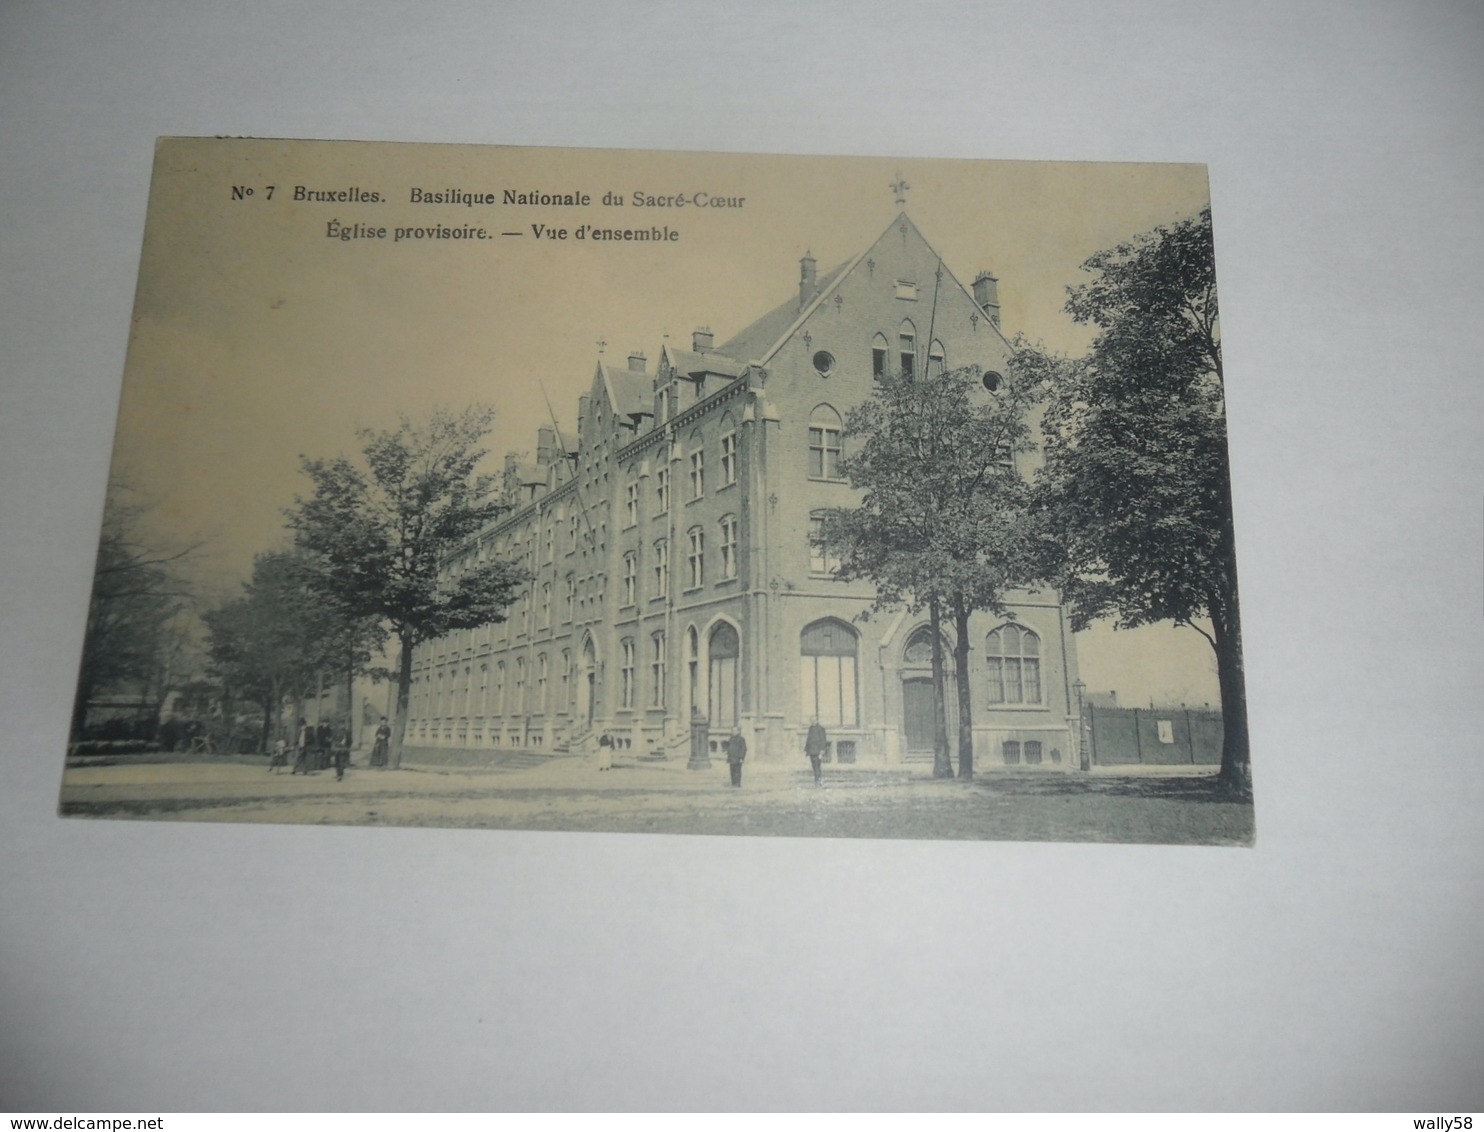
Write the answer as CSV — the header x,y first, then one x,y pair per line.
x,y
828,651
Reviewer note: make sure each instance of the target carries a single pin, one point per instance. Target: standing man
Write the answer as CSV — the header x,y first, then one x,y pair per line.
x,y
383,740
342,752
816,743
304,742
736,752
323,737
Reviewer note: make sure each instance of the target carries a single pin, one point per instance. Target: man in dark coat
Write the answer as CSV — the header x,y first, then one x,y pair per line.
x,y
816,743
304,743
323,738
736,752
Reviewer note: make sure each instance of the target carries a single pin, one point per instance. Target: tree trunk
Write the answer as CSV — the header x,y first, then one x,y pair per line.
x,y
1236,752
942,765
266,743
404,695
961,680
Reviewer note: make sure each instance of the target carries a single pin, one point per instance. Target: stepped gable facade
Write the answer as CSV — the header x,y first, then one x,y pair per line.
x,y
677,570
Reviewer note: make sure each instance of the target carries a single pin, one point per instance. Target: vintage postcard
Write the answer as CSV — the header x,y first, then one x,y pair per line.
x,y
665,492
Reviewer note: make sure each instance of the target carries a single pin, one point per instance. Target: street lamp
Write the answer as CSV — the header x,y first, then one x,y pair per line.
x,y
1083,760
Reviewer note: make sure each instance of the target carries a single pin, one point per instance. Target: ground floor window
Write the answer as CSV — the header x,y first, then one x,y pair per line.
x,y
827,660
723,651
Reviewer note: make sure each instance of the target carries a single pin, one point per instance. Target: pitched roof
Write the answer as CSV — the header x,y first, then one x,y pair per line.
x,y
760,341
630,391
757,341
711,361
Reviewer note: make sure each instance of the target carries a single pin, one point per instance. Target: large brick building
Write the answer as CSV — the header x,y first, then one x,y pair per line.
x,y
676,566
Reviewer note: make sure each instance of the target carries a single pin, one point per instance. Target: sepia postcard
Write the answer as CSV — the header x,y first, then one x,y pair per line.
x,y
663,492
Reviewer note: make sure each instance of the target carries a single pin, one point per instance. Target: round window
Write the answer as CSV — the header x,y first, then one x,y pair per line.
x,y
824,363
993,381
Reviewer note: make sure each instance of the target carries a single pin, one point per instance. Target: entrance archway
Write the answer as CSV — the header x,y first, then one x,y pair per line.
x,y
919,722
587,685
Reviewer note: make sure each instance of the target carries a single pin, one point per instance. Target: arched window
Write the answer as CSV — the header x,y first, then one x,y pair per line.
x,y
626,673
879,350
823,561
497,708
1012,655
907,348
564,702
937,360
662,479
697,557
662,569
824,443
519,706
657,669
728,546
728,450
827,651
693,671
697,465
630,497
630,577
540,705
722,650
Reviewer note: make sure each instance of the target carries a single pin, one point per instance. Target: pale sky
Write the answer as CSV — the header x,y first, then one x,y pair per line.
x,y
257,338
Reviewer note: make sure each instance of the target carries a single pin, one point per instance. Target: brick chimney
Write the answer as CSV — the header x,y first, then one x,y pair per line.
x,y
806,279
546,446
701,339
987,295
637,361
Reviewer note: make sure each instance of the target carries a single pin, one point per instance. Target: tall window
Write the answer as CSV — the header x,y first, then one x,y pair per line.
x,y
564,703
936,360
657,670
631,503
723,650
574,525
664,406
626,673
630,577
878,357
662,487
519,707
729,546
540,705
697,468
1012,654
525,612
498,707
827,651
824,444
907,349
729,458
697,557
662,569
570,597
692,671
822,559
545,605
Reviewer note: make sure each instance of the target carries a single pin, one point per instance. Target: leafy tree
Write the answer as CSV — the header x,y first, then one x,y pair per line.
x,y
138,590
942,523
284,632
1136,490
382,534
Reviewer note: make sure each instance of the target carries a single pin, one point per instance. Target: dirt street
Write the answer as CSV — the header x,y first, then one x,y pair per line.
x,y
569,794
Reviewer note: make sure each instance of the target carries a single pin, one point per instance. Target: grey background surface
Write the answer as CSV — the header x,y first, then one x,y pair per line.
x,y
1338,965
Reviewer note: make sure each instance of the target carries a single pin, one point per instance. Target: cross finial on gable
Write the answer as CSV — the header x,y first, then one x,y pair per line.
x,y
602,344
900,187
